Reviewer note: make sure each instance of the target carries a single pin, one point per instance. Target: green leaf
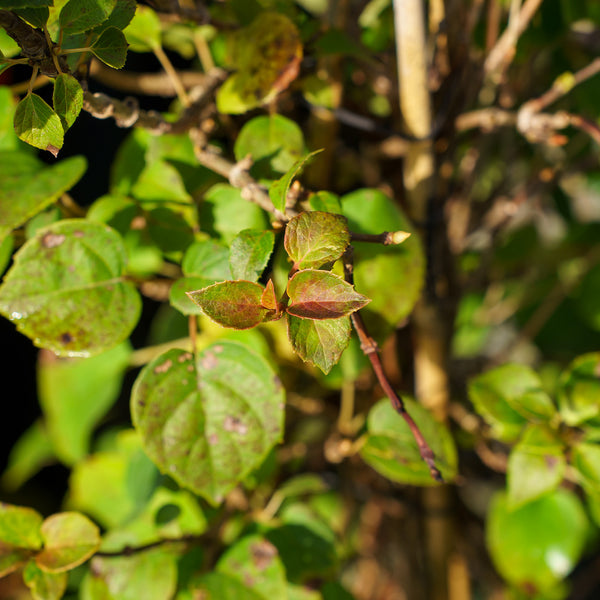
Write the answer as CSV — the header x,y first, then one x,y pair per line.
x,y
77,16
279,189
38,125
75,394
322,295
391,449
255,562
235,304
496,393
20,536
10,4
160,181
585,459
34,16
221,586
29,454
249,253
67,272
143,32
316,239
178,294
70,538
67,99
392,276
325,202
274,142
319,343
579,390
113,485
225,212
27,186
537,545
536,466
120,16
151,575
8,136
211,420
44,586
111,48
267,57
208,259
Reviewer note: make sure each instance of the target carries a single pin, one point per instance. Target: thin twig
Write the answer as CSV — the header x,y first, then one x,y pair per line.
x,y
369,347
387,238
131,550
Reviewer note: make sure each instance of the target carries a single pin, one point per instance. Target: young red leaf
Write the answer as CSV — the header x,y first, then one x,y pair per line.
x,y
269,299
322,295
235,304
313,239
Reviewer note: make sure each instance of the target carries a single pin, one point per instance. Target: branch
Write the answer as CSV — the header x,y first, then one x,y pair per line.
x,y
131,550
387,238
369,347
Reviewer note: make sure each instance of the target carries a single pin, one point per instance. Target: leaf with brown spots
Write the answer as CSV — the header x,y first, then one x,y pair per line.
x,y
210,420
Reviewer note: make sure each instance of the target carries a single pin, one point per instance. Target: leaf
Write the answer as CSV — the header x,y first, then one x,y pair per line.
x,y
151,575
67,272
143,33
322,295
221,586
255,562
211,420
111,48
392,276
20,536
179,299
235,304
585,459
536,466
391,449
208,259
44,586
34,16
23,195
160,181
325,202
537,545
38,125
495,393
113,485
70,538
316,239
579,390
10,4
225,212
67,99
267,58
319,343
274,142
269,298
75,394
249,253
279,189
120,16
77,16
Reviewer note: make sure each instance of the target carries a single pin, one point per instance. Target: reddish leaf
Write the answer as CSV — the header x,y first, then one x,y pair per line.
x,y
313,239
235,304
322,295
269,299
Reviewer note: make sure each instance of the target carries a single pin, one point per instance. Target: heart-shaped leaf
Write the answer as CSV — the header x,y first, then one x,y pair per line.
x,y
208,422
70,538
38,125
67,99
249,253
111,48
314,239
236,304
67,272
319,343
322,295
278,189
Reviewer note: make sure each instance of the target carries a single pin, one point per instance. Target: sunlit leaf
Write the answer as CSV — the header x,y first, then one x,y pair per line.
x,y
67,272
249,253
579,390
235,304
319,343
537,545
322,295
143,32
38,125
208,421
43,585
67,99
391,449
315,239
20,536
80,15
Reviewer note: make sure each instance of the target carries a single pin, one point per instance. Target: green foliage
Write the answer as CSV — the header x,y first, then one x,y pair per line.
x,y
257,260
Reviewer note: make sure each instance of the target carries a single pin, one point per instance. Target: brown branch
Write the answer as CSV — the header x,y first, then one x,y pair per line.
x,y
369,347
387,238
